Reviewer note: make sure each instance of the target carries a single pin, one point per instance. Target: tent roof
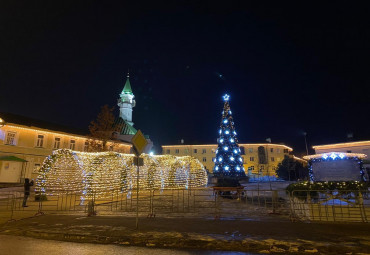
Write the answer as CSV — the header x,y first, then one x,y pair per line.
x,y
12,158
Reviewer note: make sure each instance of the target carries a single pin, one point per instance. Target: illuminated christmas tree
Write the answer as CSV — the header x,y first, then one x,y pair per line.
x,y
228,160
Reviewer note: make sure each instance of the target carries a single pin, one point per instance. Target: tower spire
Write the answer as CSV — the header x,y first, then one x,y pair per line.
x,y
127,88
127,101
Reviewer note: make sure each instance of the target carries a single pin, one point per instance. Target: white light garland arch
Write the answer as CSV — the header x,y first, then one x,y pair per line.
x,y
101,173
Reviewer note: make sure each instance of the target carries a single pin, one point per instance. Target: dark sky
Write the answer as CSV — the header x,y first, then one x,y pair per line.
x,y
289,67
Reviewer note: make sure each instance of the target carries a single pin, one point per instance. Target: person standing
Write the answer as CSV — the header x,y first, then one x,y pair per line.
x,y
27,186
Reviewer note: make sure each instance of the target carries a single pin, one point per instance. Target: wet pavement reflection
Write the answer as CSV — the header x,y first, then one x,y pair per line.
x,y
17,245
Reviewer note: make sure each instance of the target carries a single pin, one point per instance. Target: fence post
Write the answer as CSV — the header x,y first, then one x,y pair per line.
x,y
291,201
217,213
91,206
361,205
12,206
41,198
274,200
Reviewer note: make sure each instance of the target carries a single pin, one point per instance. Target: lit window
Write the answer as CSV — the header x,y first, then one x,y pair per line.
x,y
204,159
40,141
262,167
177,151
10,138
251,168
86,145
286,151
272,159
36,168
242,151
251,159
72,144
57,143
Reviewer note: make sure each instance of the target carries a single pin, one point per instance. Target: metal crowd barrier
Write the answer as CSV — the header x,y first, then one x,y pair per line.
x,y
331,206
344,206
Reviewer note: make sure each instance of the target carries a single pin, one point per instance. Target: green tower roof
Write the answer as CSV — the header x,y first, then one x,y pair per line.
x,y
127,89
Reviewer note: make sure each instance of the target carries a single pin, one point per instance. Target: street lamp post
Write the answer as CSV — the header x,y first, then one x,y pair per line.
x,y
305,141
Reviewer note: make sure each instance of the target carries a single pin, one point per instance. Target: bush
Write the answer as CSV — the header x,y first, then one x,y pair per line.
x,y
302,189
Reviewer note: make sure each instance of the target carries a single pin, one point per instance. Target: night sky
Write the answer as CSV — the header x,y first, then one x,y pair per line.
x,y
289,67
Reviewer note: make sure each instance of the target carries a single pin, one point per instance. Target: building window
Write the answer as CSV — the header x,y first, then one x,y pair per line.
x,y
349,151
250,150
242,151
251,159
262,167
10,138
36,168
168,152
278,150
72,144
195,150
40,141
86,145
204,159
57,143
286,151
272,159
204,151
177,151
251,168
271,149
186,151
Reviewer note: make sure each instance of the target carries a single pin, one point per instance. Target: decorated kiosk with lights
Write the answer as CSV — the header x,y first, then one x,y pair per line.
x,y
336,166
337,189
228,167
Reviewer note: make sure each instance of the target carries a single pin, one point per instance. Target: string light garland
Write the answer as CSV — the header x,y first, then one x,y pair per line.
x,y
228,160
98,174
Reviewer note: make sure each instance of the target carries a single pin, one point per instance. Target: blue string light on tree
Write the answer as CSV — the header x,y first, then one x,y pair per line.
x,y
228,162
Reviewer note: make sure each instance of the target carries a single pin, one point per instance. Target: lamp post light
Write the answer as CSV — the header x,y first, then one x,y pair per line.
x,y
305,141
2,123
